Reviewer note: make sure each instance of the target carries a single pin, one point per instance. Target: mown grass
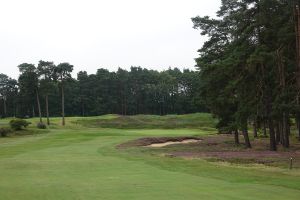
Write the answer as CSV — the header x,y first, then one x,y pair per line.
x,y
81,162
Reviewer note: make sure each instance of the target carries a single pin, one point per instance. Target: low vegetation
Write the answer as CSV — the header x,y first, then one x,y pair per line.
x,y
18,124
41,125
4,131
200,121
84,159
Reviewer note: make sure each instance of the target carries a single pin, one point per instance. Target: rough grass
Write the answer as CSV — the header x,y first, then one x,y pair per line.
x,y
202,121
81,162
218,148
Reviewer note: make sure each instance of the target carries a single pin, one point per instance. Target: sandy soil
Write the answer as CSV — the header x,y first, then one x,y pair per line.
x,y
158,141
158,145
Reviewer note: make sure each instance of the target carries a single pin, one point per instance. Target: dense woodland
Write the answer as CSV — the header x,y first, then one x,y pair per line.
x,y
248,76
43,89
250,67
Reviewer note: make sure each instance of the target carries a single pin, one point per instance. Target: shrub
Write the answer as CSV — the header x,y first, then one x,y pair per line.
x,y
4,132
18,124
41,125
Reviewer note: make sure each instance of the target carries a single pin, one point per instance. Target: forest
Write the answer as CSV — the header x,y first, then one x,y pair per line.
x,y
39,91
250,67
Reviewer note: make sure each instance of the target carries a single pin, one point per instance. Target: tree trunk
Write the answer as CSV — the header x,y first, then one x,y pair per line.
x,y
246,137
265,128
4,107
122,106
277,132
273,146
281,131
236,137
245,134
39,106
33,112
298,125
15,110
297,30
47,110
125,106
285,127
63,104
82,108
255,129
297,27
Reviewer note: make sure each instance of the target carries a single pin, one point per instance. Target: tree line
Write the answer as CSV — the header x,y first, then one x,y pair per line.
x,y
50,90
250,67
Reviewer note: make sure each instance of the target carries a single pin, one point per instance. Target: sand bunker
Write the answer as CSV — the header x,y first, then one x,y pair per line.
x,y
188,141
159,141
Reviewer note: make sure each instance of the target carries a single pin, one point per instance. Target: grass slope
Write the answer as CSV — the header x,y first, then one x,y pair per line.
x,y
202,121
81,162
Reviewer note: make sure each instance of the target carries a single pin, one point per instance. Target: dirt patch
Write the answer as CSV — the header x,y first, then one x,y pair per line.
x,y
159,141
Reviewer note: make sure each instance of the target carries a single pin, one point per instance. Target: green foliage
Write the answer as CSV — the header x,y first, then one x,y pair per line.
x,y
41,125
248,66
4,132
8,92
137,91
18,124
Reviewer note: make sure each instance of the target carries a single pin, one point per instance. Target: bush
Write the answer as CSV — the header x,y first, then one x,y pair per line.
x,y
18,124
4,132
41,125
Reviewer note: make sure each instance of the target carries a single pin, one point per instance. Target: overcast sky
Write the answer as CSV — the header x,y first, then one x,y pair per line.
x,y
91,34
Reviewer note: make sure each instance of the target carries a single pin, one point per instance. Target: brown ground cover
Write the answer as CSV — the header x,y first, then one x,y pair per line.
x,y
222,148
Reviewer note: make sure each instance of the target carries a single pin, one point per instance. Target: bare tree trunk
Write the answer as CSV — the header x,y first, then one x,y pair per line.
x,y
246,137
15,109
63,104
273,146
265,128
236,137
255,128
277,132
297,27
297,30
47,110
82,107
122,106
39,105
282,79
281,128
33,112
125,106
298,125
4,107
285,127
245,134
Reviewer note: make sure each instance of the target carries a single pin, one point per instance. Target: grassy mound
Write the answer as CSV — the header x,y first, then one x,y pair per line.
x,y
203,121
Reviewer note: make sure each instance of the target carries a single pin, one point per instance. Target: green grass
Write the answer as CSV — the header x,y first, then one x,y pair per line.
x,y
81,162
